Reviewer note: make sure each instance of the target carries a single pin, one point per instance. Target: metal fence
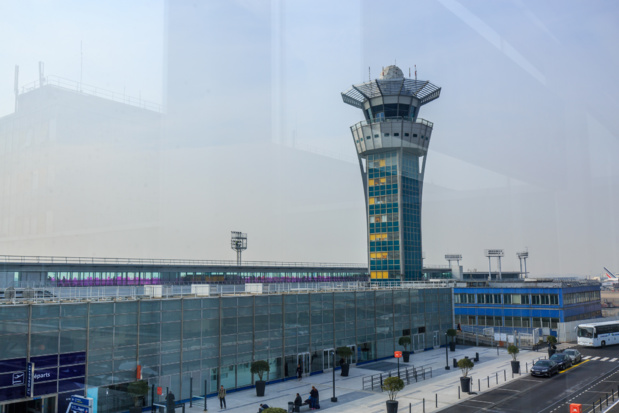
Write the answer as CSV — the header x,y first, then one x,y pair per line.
x,y
407,374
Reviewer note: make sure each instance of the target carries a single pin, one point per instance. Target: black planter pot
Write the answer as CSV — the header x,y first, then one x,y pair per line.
x,y
515,366
345,368
260,386
392,406
465,384
452,345
406,356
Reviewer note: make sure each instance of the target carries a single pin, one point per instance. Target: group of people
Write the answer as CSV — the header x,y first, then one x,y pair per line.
x,y
313,401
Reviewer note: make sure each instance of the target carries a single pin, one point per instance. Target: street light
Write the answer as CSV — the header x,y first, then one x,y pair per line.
x,y
334,399
446,354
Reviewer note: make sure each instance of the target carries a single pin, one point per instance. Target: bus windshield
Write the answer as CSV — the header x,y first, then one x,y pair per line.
x,y
586,332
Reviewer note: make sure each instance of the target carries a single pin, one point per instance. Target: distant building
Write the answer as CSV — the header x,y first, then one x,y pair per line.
x,y
21,272
509,306
76,165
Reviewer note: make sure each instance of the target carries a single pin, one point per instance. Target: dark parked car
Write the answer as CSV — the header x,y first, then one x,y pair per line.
x,y
574,355
544,368
563,360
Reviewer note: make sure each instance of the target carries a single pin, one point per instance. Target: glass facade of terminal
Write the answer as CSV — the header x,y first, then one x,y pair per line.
x,y
99,348
96,276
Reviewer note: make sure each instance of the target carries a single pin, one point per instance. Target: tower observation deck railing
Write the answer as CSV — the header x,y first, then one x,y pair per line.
x,y
393,119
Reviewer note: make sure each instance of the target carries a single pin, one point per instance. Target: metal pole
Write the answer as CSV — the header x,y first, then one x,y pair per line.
x,y
152,397
190,391
436,400
458,392
398,367
334,399
205,393
446,354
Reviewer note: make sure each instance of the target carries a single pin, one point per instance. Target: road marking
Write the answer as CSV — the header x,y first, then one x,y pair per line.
x,y
605,358
586,357
615,359
596,358
574,366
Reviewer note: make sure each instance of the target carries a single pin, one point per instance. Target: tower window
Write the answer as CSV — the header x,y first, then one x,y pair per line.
x,y
386,134
376,136
396,134
414,135
405,133
367,137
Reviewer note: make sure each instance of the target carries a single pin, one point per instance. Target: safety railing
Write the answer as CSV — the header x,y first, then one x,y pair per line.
x,y
407,374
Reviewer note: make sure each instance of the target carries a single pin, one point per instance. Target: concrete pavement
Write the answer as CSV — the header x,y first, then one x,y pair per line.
x,y
435,393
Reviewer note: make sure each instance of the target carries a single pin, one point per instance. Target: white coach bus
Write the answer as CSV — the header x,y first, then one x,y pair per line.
x,y
598,334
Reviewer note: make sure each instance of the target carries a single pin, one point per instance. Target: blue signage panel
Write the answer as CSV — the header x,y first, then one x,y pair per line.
x,y
18,378
79,409
45,375
81,401
29,379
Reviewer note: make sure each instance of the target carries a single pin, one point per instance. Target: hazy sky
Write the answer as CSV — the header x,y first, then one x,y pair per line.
x,y
524,152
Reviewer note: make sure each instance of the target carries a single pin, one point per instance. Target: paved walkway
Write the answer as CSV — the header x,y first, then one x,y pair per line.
x,y
437,392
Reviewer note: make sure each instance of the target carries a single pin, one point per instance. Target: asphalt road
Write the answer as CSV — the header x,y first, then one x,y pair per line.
x,y
586,383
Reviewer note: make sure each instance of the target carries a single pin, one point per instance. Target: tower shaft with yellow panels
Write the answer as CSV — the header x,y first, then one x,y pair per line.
x,y
392,144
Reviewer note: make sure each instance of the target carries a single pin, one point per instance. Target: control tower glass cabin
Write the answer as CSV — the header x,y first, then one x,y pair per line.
x,y
392,143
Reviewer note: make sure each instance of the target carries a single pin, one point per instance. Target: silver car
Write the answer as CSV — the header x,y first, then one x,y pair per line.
x,y
574,355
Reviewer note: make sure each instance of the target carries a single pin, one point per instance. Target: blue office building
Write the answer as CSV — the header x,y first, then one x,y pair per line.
x,y
523,305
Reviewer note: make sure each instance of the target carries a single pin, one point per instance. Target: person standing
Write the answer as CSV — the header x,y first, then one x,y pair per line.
x,y
299,372
313,398
222,397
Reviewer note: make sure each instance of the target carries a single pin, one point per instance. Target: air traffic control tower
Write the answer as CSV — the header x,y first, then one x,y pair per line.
x,y
392,143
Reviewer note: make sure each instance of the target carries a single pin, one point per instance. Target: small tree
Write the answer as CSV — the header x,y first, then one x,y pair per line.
x,y
405,341
513,350
344,352
138,389
465,365
393,385
552,340
260,367
452,333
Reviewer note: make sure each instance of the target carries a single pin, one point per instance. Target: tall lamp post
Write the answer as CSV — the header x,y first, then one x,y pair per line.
x,y
334,399
446,354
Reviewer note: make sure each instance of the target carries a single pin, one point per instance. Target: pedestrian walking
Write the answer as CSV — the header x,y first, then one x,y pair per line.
x,y
222,397
299,372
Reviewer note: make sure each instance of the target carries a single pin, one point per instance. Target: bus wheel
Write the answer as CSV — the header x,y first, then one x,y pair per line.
x,y
603,343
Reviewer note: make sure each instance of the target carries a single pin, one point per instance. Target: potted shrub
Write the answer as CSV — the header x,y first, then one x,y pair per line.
x,y
392,385
260,367
405,341
514,350
452,333
465,364
274,410
344,353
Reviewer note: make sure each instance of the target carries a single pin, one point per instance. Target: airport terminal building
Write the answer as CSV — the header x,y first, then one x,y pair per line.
x,y
522,305
90,341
